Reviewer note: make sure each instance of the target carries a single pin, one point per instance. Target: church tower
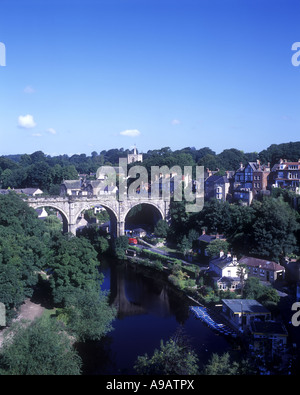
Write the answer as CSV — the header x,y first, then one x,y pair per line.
x,y
135,157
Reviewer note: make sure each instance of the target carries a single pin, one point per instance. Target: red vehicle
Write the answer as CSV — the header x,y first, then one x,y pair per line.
x,y
132,240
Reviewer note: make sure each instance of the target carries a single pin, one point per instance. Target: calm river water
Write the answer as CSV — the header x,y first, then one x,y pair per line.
x,y
148,310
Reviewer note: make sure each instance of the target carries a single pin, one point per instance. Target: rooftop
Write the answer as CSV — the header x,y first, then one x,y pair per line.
x,y
261,263
246,306
268,327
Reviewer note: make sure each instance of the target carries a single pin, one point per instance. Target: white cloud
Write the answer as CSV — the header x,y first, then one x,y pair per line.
x,y
26,121
51,131
29,89
130,132
175,122
36,134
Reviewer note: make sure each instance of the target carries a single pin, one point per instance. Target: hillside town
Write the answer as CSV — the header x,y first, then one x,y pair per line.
x,y
265,331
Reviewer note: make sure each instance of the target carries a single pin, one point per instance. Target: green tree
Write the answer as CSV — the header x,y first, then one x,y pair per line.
x,y
53,224
239,233
179,221
174,357
41,348
216,246
274,228
223,365
5,178
120,246
255,290
185,245
88,315
24,250
161,228
74,266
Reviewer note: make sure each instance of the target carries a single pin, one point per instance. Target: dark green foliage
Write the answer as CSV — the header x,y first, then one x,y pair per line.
x,y
223,365
42,348
268,228
87,315
23,251
161,229
120,245
216,246
74,266
97,238
179,221
174,357
28,246
289,151
274,228
253,289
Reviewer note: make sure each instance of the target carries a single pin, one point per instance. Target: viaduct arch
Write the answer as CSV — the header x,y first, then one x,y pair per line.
x,y
71,207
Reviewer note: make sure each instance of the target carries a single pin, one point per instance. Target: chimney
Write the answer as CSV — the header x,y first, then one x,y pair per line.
x,y
203,231
221,253
228,254
234,259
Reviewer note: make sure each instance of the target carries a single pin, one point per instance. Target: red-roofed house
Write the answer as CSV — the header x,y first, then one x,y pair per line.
x,y
263,269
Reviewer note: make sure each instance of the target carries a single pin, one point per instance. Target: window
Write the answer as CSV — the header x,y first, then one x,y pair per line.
x,y
219,193
248,177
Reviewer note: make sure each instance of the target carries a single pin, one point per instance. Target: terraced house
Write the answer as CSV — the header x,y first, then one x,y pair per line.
x,y
286,175
250,181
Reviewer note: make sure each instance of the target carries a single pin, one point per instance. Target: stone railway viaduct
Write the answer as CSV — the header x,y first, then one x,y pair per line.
x,y
71,207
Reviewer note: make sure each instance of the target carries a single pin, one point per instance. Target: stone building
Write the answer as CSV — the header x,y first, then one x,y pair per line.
x,y
134,157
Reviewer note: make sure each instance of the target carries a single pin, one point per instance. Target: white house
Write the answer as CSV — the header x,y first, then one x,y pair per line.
x,y
224,271
41,212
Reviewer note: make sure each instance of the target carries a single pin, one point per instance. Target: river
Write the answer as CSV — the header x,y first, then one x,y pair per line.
x,y
149,310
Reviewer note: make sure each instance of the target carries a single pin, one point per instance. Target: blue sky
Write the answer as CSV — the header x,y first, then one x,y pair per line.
x,y
89,75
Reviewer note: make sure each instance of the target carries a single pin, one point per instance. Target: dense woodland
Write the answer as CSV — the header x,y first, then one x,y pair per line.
x,y
268,228
30,250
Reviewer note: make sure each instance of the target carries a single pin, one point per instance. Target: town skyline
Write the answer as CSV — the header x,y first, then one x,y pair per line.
x,y
90,76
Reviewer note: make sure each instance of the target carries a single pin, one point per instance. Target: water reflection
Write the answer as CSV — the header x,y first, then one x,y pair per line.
x,y
148,310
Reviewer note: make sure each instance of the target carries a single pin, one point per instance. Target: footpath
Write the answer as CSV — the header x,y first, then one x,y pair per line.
x,y
28,311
